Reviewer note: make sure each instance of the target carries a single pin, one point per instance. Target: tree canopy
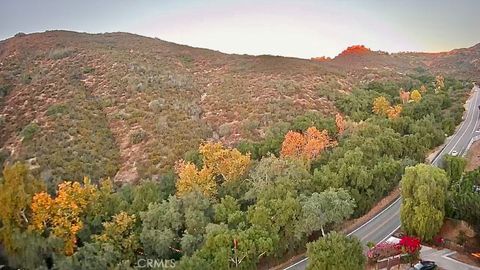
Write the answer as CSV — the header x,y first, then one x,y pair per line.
x,y
335,251
424,189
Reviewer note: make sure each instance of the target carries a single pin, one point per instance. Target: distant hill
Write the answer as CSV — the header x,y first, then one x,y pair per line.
x,y
127,106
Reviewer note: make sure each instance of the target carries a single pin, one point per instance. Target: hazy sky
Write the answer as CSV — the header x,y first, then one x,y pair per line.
x,y
289,28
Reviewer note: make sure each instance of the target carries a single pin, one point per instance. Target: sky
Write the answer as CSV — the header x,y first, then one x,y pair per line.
x,y
299,28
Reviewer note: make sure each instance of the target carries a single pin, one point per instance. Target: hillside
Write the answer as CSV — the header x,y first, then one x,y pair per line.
x,y
125,106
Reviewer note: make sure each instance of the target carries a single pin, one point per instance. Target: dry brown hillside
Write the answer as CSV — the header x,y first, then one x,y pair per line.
x,y
127,106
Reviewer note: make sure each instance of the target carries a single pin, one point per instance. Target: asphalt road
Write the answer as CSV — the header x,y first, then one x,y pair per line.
x,y
385,223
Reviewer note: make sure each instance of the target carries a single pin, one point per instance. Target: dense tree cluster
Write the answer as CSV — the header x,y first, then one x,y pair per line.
x,y
223,208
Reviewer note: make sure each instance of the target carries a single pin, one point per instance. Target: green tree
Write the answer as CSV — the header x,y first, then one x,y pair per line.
x,y
424,188
429,131
329,207
161,225
277,211
228,212
365,174
454,167
147,192
198,212
464,201
119,234
271,169
226,249
16,193
93,256
357,104
31,250
335,251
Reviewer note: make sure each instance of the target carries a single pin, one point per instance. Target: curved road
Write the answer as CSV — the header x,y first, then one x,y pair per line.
x,y
385,223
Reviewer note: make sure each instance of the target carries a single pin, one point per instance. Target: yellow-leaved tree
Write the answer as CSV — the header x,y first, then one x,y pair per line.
x,y
119,233
226,162
190,179
220,165
16,193
381,105
439,83
62,215
416,96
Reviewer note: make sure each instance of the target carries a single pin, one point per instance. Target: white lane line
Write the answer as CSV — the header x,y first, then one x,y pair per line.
x,y
293,265
381,225
447,256
469,122
464,152
398,227
370,220
363,225
461,126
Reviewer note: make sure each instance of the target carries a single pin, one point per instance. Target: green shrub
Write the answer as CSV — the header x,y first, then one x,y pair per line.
x,y
5,89
186,59
138,136
225,130
26,78
4,154
2,120
56,109
29,131
87,70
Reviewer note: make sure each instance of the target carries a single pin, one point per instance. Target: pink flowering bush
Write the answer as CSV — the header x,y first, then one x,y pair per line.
x,y
383,250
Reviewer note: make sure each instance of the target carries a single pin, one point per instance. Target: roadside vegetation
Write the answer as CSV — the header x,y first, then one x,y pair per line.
x,y
224,207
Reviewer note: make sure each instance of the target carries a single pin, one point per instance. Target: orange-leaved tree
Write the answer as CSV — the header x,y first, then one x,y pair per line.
x,y
404,96
381,105
394,111
62,215
316,142
306,146
293,144
190,179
